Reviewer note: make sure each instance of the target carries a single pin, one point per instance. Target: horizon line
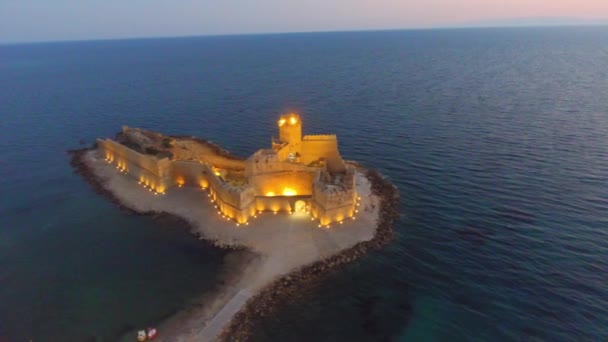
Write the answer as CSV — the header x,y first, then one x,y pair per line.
x,y
269,33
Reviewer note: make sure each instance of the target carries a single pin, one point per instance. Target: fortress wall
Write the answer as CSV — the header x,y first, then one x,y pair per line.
x,y
122,154
262,167
333,215
315,147
284,152
299,183
236,203
194,151
221,162
320,137
189,173
149,170
332,206
277,203
330,200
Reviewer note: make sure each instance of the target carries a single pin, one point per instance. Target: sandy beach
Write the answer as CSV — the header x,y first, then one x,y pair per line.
x,y
282,244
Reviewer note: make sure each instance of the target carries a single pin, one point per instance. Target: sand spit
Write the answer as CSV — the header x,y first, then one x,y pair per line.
x,y
290,249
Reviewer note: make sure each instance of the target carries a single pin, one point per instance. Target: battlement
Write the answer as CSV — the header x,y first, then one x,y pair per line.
x,y
320,137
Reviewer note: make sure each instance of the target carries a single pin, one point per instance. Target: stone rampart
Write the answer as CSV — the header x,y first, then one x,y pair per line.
x,y
309,137
235,202
334,201
189,173
315,147
149,170
283,183
275,204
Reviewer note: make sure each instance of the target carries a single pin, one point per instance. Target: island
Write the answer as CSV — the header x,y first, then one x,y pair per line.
x,y
298,206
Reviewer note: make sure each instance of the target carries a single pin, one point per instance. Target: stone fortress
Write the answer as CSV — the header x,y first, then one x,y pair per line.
x,y
297,174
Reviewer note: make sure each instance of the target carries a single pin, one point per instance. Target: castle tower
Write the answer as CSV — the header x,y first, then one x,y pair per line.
x,y
290,132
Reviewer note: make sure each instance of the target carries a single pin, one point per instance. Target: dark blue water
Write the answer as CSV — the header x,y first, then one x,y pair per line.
x,y
497,140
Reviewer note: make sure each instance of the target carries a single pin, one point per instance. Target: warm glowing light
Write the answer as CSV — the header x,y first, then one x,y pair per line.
x,y
341,222
270,193
281,122
217,173
237,224
246,223
289,192
293,120
275,212
319,226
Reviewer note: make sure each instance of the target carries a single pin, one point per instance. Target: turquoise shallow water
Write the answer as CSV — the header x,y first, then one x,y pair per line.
x,y
497,140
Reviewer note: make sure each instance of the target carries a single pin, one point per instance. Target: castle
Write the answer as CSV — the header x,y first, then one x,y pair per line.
x,y
297,174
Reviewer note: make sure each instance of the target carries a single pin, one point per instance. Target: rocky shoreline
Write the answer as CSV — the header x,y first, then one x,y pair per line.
x,y
266,301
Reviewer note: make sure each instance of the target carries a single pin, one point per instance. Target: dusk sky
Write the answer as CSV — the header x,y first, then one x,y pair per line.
x,y
43,20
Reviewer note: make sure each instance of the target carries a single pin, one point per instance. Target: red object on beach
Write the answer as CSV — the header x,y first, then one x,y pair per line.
x,y
152,333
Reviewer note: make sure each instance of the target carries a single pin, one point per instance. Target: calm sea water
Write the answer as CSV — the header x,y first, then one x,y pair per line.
x,y
497,140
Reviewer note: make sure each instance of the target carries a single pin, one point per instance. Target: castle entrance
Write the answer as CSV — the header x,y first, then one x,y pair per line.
x,y
300,206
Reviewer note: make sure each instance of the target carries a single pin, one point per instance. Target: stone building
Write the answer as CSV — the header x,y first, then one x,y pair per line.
x,y
299,173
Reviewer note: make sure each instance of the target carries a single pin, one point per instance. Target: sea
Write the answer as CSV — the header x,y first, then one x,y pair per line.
x,y
496,138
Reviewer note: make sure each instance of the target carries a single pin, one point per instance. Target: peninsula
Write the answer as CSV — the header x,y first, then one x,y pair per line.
x,y
298,206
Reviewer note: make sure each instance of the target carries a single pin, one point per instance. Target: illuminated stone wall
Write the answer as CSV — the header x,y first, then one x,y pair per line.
x,y
271,177
188,173
342,207
283,184
331,203
235,202
267,161
149,170
192,150
275,204
315,147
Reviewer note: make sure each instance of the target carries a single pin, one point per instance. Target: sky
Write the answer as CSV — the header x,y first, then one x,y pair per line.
x,y
50,20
